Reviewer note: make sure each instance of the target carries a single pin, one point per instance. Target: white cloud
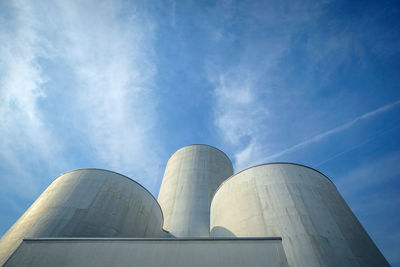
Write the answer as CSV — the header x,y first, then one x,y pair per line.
x,y
239,114
242,95
284,32
25,137
108,47
112,55
242,117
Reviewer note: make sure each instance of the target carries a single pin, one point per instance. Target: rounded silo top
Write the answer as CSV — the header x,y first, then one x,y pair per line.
x,y
274,163
201,145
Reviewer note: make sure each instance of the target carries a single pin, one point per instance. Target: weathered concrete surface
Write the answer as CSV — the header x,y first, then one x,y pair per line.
x,y
88,203
299,204
142,252
192,175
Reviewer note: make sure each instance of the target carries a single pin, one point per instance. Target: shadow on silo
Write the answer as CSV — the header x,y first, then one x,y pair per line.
x,y
219,231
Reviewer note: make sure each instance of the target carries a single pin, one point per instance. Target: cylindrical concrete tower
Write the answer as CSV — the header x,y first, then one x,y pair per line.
x,y
192,175
88,203
299,204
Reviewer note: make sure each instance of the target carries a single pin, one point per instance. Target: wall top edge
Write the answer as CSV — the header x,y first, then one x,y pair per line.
x,y
55,239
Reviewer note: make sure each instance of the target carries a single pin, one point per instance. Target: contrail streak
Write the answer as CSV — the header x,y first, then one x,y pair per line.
x,y
340,128
356,146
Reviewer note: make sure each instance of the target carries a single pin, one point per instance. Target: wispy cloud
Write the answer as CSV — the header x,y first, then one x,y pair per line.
x,y
242,95
235,106
242,118
112,58
238,114
23,130
103,90
293,64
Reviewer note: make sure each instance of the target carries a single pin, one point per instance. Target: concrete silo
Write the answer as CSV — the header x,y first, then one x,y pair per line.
x,y
299,204
192,175
88,203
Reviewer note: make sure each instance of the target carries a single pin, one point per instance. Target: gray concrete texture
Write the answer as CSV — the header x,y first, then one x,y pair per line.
x,y
192,175
88,203
299,204
149,252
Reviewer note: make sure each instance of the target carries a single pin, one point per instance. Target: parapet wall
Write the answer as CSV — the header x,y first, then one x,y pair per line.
x,y
96,252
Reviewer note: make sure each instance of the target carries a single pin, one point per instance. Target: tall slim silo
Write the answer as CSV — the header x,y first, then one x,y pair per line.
x,y
299,204
192,175
87,203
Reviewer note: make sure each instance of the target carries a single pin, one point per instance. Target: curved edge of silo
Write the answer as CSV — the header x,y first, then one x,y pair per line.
x,y
213,147
272,163
114,172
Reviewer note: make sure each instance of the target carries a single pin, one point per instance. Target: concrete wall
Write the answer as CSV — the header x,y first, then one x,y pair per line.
x,y
88,203
299,204
191,177
150,252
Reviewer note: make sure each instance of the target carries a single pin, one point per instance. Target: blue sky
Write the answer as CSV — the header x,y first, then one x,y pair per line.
x,y
121,85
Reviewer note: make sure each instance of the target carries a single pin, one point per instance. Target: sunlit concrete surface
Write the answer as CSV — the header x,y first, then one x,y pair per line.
x,y
149,252
299,204
93,217
88,203
192,175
